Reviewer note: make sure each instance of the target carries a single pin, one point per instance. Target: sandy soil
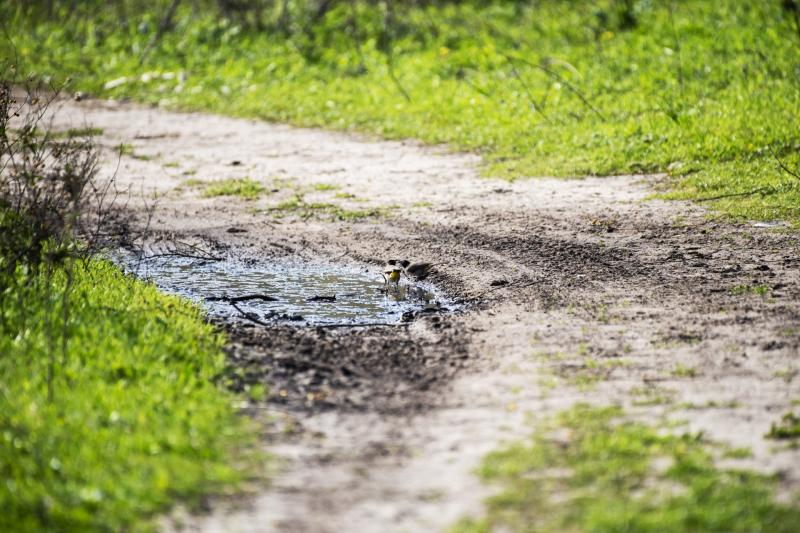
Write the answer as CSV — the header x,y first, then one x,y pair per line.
x,y
581,290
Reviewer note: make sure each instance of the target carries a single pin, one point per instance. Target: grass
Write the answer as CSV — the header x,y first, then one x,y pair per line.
x,y
787,374
245,188
137,418
591,470
650,395
297,205
586,371
707,92
682,371
740,290
72,133
127,149
788,428
737,453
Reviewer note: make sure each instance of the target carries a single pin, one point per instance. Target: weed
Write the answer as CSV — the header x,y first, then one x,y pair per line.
x,y
297,205
589,370
325,187
787,374
681,371
591,470
194,182
712,404
788,428
357,214
760,290
649,395
78,132
242,187
737,453
257,392
126,149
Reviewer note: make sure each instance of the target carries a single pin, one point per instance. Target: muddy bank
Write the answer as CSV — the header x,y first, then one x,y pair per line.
x,y
394,369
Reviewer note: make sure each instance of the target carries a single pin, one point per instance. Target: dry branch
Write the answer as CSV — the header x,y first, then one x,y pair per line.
x,y
243,298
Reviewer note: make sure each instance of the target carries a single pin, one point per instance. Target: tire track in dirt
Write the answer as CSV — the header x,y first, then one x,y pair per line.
x,y
609,295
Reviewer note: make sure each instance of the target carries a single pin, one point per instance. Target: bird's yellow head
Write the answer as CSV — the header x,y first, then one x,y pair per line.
x,y
393,276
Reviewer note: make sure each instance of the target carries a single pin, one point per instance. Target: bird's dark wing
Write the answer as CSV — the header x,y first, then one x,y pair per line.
x,y
419,270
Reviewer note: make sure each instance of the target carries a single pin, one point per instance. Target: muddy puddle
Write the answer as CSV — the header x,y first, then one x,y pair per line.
x,y
291,292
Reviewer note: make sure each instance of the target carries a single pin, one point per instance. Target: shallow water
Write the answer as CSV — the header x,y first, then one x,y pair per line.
x,y
360,294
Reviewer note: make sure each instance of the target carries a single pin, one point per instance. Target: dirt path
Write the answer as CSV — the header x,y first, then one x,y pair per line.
x,y
574,291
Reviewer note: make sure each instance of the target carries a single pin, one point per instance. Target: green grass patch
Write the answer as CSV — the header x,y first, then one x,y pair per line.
x,y
788,428
127,150
193,182
242,187
72,133
298,206
322,187
737,453
706,91
682,371
137,416
592,470
760,290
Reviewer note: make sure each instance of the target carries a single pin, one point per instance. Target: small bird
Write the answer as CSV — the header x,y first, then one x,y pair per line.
x,y
391,273
416,271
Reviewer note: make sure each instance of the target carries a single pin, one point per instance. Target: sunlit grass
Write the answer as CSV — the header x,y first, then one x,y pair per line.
x,y
138,417
706,91
591,470
242,187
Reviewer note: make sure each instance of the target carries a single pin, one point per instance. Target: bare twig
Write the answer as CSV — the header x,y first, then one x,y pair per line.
x,y
782,165
389,51
475,87
244,298
183,255
166,24
364,325
534,104
355,36
249,316
734,194
563,81
677,45
322,299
